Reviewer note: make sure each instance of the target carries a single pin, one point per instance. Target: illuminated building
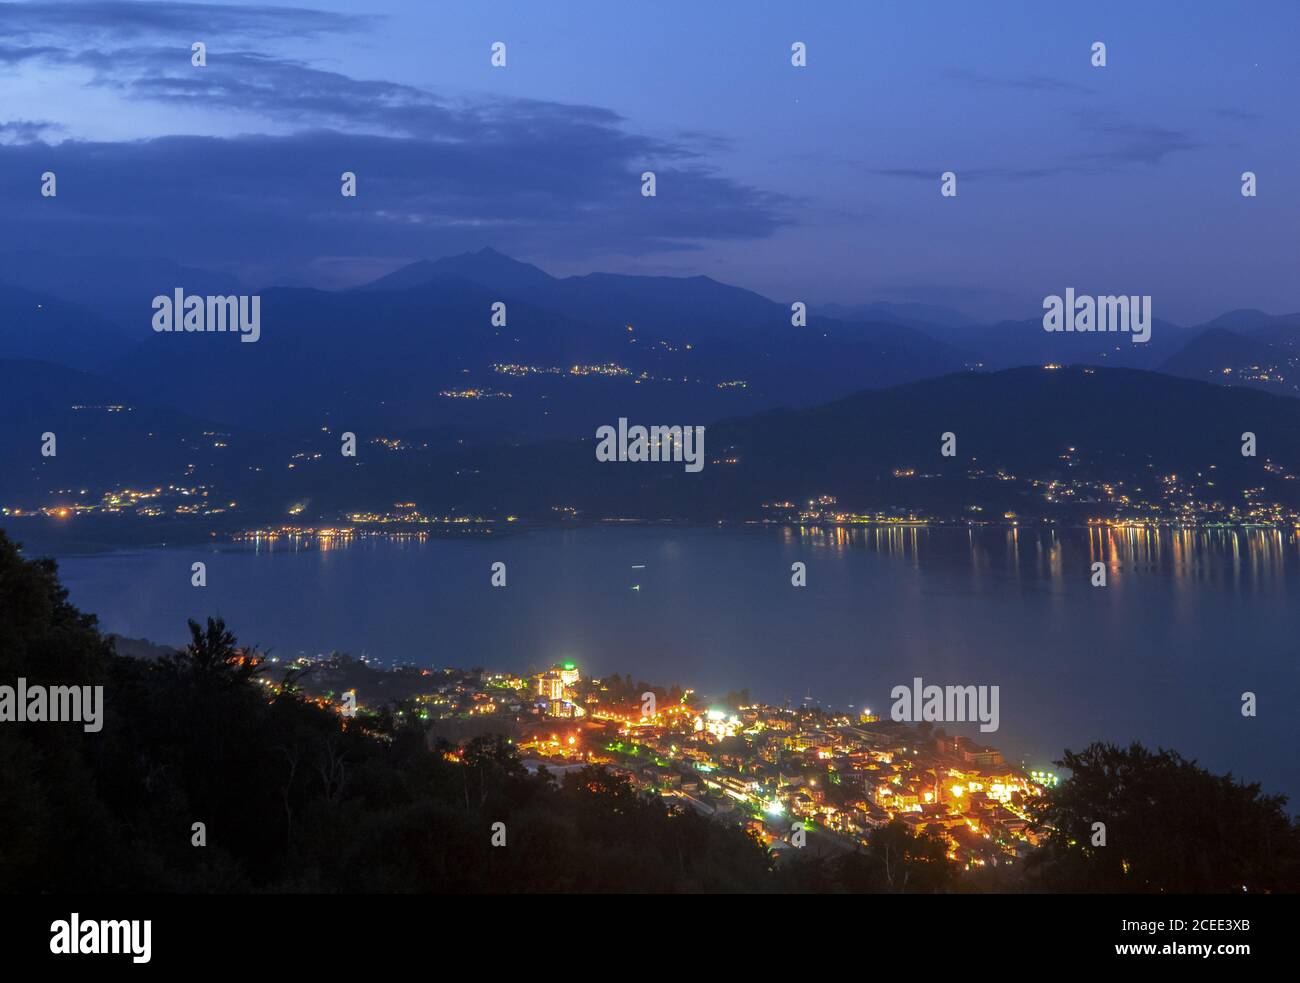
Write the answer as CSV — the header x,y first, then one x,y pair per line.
x,y
718,724
557,682
550,685
562,708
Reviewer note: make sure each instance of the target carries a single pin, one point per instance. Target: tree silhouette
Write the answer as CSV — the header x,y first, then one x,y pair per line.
x,y
213,654
1169,825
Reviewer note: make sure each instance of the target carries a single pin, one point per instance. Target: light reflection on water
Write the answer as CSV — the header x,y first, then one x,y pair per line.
x,y
1257,557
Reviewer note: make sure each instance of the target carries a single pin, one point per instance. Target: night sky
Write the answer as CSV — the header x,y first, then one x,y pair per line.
x,y
819,183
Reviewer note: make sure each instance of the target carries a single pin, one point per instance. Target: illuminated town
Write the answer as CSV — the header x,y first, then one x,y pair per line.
x,y
773,770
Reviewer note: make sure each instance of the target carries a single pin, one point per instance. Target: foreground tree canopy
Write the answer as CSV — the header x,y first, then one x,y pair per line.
x,y
1169,826
292,800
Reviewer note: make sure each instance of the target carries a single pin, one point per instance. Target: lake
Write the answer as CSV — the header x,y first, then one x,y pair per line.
x,y
1188,621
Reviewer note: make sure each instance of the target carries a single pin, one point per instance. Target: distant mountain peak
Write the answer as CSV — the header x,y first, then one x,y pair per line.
x,y
488,267
1247,318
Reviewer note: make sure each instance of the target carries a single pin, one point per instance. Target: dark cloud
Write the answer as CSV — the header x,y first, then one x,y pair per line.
x,y
287,91
1141,143
194,21
974,173
1238,115
1024,83
273,203
434,173
1112,144
26,130
14,54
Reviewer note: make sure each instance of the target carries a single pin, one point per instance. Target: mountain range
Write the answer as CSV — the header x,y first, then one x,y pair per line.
x,y
470,416
1244,348
424,347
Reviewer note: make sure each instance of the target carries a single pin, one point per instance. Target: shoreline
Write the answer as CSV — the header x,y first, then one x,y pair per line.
x,y
57,537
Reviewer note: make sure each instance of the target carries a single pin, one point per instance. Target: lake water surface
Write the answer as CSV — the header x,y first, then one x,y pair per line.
x,y
1187,623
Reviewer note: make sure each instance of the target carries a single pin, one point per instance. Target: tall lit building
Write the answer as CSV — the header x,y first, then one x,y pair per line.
x,y
550,685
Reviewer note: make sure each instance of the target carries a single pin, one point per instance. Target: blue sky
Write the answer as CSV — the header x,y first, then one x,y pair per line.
x,y
819,183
